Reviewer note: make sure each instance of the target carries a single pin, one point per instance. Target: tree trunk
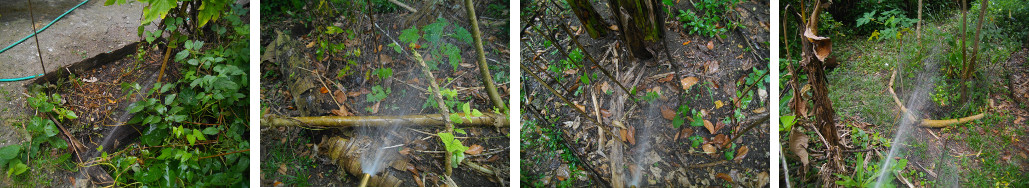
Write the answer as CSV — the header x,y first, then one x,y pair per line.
x,y
590,19
970,65
638,22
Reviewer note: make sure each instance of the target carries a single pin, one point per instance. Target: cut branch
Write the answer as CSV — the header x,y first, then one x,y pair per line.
x,y
928,122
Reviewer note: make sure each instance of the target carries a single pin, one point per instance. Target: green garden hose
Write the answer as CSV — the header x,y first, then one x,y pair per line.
x,y
34,34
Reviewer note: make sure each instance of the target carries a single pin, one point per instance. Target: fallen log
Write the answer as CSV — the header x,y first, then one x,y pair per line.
x,y
928,122
486,119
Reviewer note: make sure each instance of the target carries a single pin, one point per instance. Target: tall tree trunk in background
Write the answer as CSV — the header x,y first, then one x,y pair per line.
x,y
590,19
639,22
918,30
970,65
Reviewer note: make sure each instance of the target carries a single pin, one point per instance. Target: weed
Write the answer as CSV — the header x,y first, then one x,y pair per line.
x,y
707,19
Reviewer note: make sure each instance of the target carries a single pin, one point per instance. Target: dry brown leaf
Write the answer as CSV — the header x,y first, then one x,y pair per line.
x,y
688,82
711,67
666,78
605,113
710,149
340,96
405,151
323,90
474,150
605,87
378,49
719,126
710,45
724,176
798,142
710,127
741,153
759,110
632,135
667,113
624,133
719,104
571,71
282,169
822,45
309,45
719,140
684,134
613,27
580,107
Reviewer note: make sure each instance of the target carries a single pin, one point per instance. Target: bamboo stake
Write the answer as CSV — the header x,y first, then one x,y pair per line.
x,y
439,100
357,121
487,80
930,123
364,180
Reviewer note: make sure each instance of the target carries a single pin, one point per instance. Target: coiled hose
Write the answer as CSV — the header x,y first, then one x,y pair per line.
x,y
34,34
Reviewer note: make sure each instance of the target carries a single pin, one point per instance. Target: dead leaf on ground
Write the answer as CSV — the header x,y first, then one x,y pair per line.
x,y
711,67
405,151
632,135
613,27
340,96
710,45
310,45
709,149
719,126
724,176
282,169
667,113
666,78
719,140
688,82
741,153
623,133
474,150
605,87
580,107
683,134
375,108
710,127
400,165
323,90
719,104
605,113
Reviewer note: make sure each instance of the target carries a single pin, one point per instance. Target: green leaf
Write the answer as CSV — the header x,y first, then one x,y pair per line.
x,y
181,55
453,54
211,131
16,168
463,35
476,113
50,129
198,135
211,10
786,122
333,30
409,35
396,47
191,139
434,31
10,151
460,131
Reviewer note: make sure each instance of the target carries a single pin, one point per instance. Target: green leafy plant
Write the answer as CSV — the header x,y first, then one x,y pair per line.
x,y
438,48
888,24
194,127
866,177
454,147
468,113
706,18
378,94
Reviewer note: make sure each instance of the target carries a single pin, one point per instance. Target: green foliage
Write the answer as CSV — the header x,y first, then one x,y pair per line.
x,y
706,18
680,116
891,24
1011,17
384,73
695,141
433,34
867,177
453,146
378,94
786,123
208,103
468,113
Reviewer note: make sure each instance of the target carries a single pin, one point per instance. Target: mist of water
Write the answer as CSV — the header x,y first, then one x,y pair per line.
x,y
643,146
379,150
915,102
